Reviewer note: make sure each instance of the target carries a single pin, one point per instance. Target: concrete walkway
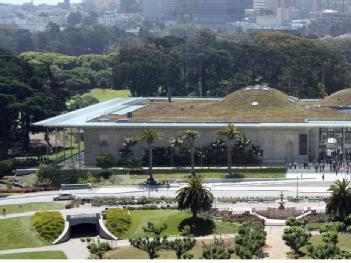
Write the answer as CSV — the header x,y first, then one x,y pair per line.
x,y
73,249
275,247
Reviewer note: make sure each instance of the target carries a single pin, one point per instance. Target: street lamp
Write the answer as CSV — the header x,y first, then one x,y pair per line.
x,y
297,188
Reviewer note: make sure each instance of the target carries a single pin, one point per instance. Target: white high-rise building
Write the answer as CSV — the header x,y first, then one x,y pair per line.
x,y
152,9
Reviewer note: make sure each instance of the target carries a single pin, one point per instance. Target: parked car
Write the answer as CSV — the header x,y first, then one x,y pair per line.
x,y
61,197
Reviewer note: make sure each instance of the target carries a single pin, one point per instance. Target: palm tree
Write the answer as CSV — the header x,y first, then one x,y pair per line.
x,y
150,136
189,137
339,203
230,134
195,196
173,143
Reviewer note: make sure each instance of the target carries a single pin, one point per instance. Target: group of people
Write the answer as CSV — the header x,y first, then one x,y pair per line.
x,y
320,166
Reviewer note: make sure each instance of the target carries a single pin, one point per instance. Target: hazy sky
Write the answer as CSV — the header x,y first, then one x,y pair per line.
x,y
52,2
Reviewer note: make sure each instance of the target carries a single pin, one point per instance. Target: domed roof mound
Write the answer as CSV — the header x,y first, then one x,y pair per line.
x,y
339,98
258,97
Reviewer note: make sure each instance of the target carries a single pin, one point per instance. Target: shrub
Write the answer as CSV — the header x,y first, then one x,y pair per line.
x,y
250,240
118,221
6,167
333,226
216,250
49,225
105,161
348,229
296,237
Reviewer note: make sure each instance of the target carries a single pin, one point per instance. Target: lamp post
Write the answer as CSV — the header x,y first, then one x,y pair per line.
x,y
297,188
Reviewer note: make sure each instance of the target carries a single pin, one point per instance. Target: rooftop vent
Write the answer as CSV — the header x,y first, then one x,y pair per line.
x,y
257,87
248,88
255,103
123,120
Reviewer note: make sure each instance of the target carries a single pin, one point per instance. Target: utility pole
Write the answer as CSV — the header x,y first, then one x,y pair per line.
x,y
297,188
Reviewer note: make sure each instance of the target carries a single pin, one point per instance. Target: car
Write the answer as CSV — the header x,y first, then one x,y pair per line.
x,y
61,197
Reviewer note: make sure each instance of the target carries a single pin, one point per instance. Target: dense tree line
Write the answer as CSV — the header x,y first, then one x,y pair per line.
x,y
27,94
190,61
79,74
211,64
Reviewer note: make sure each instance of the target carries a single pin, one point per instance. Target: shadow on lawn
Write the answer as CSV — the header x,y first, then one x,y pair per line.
x,y
198,226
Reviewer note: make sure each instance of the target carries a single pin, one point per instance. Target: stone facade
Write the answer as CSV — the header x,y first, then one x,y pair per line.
x,y
279,145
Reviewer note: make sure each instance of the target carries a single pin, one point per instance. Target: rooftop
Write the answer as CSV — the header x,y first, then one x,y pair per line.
x,y
248,106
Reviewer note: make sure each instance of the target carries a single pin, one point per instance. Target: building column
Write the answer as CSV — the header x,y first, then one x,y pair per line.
x,y
47,143
343,148
64,145
78,141
72,159
56,131
317,143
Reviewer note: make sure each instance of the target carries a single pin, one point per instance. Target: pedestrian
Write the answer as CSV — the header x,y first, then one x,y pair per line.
x,y
4,212
337,170
323,177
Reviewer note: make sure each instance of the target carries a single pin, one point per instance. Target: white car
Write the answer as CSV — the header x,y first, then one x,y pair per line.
x,y
61,197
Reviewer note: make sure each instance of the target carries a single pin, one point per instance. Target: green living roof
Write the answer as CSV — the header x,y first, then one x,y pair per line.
x,y
252,104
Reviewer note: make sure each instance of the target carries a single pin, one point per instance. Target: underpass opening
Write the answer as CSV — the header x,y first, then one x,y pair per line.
x,y
84,230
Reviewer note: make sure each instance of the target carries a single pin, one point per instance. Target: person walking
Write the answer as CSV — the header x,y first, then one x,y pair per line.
x,y
323,177
4,212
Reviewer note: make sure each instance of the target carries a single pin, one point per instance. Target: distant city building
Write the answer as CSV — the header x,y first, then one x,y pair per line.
x,y
197,11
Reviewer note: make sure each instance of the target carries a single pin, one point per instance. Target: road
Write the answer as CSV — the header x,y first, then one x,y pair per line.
x,y
261,188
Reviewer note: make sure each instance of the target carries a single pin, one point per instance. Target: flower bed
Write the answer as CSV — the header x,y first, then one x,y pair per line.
x,y
49,225
118,221
28,190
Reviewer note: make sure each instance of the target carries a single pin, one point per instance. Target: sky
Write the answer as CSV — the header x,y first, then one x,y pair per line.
x,y
51,2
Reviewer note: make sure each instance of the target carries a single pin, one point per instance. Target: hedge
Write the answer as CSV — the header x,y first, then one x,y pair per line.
x,y
28,190
118,221
48,224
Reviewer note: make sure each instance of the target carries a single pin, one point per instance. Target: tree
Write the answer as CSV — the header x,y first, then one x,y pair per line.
x,y
74,18
194,197
250,239
327,251
149,136
189,137
296,237
99,249
182,246
339,203
292,221
216,250
151,245
105,161
230,134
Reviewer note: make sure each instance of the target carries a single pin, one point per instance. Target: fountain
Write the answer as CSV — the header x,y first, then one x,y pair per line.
x,y
280,212
282,201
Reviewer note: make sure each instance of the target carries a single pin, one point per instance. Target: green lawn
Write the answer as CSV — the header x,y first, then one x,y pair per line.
x,y
134,253
12,209
61,154
216,173
18,233
344,241
108,94
35,255
172,218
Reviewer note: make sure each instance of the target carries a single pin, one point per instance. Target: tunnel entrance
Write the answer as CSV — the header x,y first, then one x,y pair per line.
x,y
84,230
84,225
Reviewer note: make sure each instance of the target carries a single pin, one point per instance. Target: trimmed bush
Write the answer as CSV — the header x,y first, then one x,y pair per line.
x,y
49,225
118,221
6,167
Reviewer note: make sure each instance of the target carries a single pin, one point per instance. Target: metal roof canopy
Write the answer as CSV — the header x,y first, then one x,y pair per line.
x,y
82,118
